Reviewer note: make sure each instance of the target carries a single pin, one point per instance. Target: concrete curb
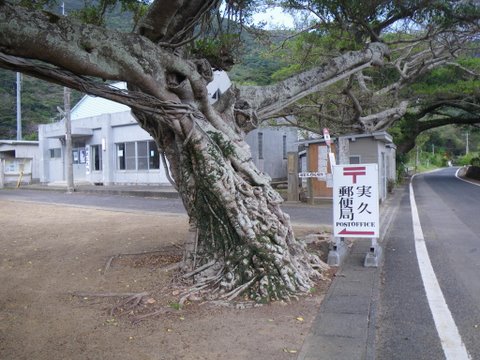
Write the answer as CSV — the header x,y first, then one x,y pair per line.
x,y
140,191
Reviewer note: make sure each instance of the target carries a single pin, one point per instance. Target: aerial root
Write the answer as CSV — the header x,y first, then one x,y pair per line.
x,y
192,291
169,267
129,302
199,270
166,310
237,291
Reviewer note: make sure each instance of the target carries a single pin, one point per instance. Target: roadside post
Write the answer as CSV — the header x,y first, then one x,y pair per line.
x,y
356,207
2,176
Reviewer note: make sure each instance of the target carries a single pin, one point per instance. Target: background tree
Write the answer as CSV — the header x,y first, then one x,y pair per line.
x,y
422,36
447,95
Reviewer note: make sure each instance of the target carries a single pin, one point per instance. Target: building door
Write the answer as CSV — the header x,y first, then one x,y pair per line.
x,y
79,157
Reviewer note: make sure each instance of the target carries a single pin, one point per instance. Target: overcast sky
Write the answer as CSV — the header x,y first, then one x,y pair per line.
x,y
274,17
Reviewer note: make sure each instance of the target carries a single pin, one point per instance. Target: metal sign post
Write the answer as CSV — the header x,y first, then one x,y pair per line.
x,y
356,205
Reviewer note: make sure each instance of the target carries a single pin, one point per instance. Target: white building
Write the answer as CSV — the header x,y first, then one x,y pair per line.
x,y
109,147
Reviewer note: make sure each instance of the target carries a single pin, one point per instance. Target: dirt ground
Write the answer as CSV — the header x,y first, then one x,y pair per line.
x,y
50,252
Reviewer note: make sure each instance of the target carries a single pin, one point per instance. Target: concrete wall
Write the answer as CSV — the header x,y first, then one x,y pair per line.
x,y
379,151
108,130
274,159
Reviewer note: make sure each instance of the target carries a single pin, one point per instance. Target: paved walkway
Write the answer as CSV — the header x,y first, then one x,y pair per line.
x,y
344,329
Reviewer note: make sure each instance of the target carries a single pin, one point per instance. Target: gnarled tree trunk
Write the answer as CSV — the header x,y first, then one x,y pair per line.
x,y
244,241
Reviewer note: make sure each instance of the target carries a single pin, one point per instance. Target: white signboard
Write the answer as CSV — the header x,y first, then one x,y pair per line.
x,y
355,201
326,137
311,174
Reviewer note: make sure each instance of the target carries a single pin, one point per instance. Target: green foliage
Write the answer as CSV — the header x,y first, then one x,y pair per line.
x,y
36,4
472,158
175,305
286,72
255,64
449,81
220,51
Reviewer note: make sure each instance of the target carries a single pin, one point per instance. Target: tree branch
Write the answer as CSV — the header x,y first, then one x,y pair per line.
x,y
81,48
272,99
383,119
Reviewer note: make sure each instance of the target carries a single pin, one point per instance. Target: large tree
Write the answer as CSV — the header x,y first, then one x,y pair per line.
x,y
241,241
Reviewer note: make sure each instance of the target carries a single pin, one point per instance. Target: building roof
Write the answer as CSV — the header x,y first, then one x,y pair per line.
x,y
90,106
378,135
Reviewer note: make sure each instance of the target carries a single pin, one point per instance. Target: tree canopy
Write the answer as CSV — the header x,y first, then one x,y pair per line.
x,y
425,38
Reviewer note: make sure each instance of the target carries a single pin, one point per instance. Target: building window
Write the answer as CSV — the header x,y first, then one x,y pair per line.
x,y
121,156
96,157
141,155
284,143
260,145
130,161
354,159
154,158
55,153
79,152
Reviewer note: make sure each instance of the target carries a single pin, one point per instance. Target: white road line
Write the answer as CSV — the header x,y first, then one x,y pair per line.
x,y
450,338
468,181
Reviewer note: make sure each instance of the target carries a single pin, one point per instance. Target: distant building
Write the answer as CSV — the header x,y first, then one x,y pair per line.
x,y
20,161
374,148
270,145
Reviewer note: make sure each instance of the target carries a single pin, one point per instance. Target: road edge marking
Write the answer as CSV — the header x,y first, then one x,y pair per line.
x,y
467,181
450,339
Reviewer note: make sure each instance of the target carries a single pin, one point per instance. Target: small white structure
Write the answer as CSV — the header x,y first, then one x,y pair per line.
x,y
19,162
372,148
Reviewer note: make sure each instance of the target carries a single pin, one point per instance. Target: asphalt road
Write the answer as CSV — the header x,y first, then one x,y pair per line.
x,y
449,215
299,213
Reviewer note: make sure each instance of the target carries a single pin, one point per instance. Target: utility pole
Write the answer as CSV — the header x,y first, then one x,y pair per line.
x,y
466,148
68,140
19,106
68,134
